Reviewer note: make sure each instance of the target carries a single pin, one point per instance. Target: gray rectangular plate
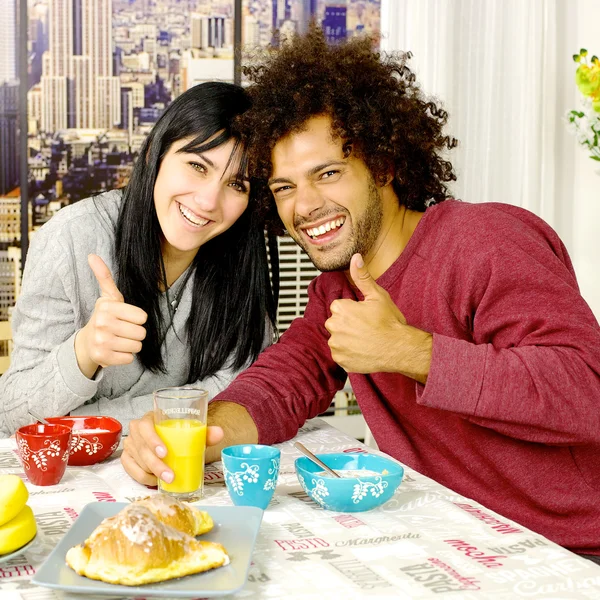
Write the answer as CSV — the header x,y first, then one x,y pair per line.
x,y
236,528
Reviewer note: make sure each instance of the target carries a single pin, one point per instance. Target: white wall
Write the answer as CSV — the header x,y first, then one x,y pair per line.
x,y
504,71
581,230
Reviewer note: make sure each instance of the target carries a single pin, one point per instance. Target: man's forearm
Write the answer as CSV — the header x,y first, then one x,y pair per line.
x,y
237,424
416,355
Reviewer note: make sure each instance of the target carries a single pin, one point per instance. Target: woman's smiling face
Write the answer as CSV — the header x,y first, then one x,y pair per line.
x,y
198,196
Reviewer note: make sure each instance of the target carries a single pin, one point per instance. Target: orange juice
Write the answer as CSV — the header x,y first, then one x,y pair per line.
x,y
185,440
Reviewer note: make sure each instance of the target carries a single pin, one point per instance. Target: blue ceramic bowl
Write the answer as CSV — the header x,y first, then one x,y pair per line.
x,y
349,494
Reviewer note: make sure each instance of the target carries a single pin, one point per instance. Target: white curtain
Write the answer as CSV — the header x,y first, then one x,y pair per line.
x,y
503,70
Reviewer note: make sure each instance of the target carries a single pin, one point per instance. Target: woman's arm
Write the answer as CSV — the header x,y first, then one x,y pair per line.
x,y
44,374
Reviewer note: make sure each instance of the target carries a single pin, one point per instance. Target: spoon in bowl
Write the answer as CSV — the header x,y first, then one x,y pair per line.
x,y
317,461
38,418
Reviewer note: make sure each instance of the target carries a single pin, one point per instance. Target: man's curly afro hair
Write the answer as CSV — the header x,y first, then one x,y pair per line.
x,y
374,103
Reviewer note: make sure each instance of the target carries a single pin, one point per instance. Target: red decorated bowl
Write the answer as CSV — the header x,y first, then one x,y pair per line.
x,y
93,439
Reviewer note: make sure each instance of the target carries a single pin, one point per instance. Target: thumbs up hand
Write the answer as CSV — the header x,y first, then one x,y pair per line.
x,y
372,336
115,331
108,287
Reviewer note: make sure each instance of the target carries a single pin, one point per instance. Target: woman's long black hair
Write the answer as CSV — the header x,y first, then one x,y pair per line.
x,y
232,296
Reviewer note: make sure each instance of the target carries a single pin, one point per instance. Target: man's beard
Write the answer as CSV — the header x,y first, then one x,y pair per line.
x,y
365,232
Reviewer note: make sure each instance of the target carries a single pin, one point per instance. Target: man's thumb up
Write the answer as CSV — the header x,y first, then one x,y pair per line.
x,y
362,279
107,284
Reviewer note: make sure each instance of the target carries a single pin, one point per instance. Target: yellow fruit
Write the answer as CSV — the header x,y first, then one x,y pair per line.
x,y
18,531
13,496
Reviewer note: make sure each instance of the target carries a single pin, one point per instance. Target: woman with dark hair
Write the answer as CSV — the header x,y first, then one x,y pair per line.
x,y
191,299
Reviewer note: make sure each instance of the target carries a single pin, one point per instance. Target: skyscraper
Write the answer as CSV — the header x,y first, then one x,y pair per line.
x,y
9,89
8,40
303,12
96,42
9,157
251,31
38,40
216,31
334,22
282,11
56,65
78,86
199,30
127,111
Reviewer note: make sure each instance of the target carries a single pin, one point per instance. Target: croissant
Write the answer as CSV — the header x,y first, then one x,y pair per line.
x,y
135,547
173,512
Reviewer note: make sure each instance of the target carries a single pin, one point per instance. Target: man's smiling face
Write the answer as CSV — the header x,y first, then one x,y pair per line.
x,y
325,196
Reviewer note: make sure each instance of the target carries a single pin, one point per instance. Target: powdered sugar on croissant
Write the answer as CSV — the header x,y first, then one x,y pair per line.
x,y
180,515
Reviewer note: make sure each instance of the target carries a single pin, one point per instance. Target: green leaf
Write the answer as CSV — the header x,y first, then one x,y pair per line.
x,y
595,158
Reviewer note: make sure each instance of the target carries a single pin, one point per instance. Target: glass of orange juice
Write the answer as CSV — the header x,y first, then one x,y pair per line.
x,y
180,422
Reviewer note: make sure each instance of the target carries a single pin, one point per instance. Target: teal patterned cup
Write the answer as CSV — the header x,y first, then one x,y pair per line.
x,y
250,472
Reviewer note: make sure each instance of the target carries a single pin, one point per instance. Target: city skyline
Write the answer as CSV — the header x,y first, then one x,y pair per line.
x,y
109,68
101,72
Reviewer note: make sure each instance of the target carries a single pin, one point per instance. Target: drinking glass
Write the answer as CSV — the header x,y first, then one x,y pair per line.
x,y
180,422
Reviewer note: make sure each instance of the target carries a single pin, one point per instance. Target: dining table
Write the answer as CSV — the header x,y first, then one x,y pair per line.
x,y
427,541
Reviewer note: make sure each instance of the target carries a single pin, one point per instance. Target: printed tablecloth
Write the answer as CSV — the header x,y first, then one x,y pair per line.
x,y
426,542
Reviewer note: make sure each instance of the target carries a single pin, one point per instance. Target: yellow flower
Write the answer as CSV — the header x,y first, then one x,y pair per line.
x,y
587,78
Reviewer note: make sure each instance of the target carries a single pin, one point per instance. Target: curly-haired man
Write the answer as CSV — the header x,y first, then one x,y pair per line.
x,y
471,352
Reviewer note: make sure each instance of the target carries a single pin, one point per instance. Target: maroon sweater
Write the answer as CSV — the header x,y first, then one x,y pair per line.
x,y
510,414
